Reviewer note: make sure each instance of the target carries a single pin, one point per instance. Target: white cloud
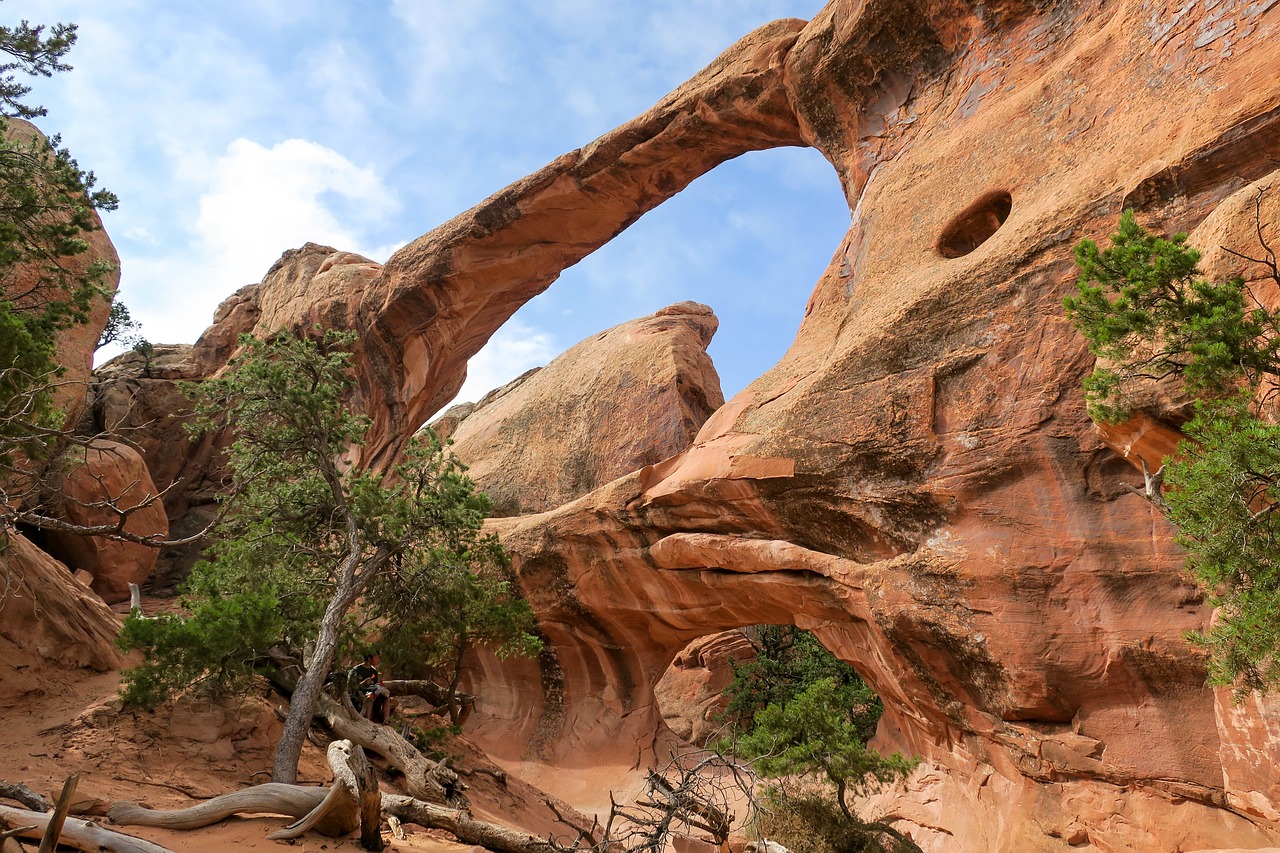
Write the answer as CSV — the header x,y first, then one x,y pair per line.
x,y
264,200
512,350
256,202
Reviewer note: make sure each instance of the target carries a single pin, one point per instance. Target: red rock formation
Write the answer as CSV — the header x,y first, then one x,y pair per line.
x,y
916,481
76,344
690,693
625,398
107,473
46,614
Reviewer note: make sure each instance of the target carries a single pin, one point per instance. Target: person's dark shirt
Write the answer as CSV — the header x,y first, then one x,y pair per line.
x,y
366,675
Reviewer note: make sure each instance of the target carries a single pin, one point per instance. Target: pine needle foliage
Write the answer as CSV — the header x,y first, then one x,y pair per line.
x,y
803,719
319,555
1148,314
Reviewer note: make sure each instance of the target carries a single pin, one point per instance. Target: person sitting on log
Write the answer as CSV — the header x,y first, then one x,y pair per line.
x,y
377,698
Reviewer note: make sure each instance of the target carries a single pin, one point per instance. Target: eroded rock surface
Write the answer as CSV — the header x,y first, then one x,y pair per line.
x,y
88,480
690,693
628,397
916,481
46,614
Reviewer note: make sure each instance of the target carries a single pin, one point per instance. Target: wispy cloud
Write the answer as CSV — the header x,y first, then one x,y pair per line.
x,y
515,348
257,201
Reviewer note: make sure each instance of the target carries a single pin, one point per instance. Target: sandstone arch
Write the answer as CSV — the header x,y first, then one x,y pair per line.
x,y
916,480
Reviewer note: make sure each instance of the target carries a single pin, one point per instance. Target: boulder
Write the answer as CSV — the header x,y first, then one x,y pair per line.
x,y
690,692
47,615
628,397
89,477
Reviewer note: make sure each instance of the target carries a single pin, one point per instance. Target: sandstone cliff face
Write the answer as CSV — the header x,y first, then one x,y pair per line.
x,y
76,344
916,481
625,398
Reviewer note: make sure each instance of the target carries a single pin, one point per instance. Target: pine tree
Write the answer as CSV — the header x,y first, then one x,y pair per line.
x,y
1148,314
317,553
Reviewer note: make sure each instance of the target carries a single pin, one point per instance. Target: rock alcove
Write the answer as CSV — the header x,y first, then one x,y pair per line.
x,y
975,225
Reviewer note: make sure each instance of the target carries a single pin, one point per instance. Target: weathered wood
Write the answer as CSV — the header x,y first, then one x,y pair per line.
x,y
370,799
81,834
339,811
9,844
53,831
423,778
499,839
345,805
20,793
272,798
331,806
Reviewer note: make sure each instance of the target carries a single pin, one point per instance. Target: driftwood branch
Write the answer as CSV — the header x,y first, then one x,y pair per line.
x,y
433,693
53,831
81,834
1152,487
468,830
20,793
305,803
353,800
293,801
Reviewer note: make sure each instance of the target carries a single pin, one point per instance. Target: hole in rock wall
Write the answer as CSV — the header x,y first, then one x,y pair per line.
x,y
714,692
974,225
718,681
750,239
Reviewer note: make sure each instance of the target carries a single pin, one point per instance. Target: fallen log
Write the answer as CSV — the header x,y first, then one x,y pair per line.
x,y
293,801
352,801
80,834
20,793
433,693
304,801
468,830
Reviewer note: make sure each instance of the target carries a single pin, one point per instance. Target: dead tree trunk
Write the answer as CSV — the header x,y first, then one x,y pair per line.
x,y
435,694
424,778
351,802
80,834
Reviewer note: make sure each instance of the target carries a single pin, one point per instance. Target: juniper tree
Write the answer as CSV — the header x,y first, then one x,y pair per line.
x,y
1148,314
803,714
310,534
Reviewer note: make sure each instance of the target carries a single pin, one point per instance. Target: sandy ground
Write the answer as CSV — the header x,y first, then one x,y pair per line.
x,y
56,722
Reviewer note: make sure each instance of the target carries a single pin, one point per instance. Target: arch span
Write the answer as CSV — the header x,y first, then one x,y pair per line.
x,y
916,480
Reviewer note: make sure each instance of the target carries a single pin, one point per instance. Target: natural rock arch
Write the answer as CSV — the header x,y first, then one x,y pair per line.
x,y
916,480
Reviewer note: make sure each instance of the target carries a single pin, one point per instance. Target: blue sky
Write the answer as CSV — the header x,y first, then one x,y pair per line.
x,y
235,130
